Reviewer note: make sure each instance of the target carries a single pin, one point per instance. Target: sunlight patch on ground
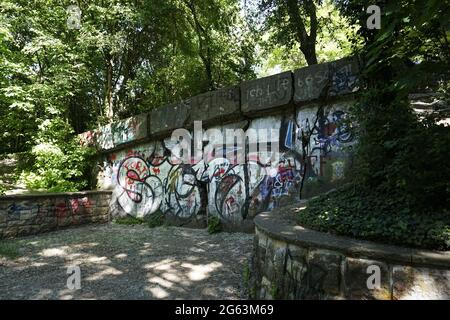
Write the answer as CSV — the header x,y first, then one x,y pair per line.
x,y
197,250
99,260
85,245
160,281
43,294
160,265
109,271
171,277
158,292
201,272
54,252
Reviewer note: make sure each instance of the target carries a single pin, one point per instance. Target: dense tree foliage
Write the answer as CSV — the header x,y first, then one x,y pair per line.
x,y
128,56
400,149
299,33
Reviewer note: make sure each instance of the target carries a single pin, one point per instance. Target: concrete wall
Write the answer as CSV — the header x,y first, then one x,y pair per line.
x,y
22,215
146,178
290,262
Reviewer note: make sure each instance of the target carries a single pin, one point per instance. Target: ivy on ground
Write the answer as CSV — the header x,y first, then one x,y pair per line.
x,y
387,218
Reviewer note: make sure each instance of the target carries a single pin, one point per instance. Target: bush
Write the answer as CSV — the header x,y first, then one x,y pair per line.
x,y
401,152
58,164
214,225
400,178
371,215
156,219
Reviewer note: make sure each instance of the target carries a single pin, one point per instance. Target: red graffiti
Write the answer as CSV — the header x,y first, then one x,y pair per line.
x,y
87,204
61,209
219,172
74,205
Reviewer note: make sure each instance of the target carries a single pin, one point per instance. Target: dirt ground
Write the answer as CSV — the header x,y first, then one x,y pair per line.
x,y
127,262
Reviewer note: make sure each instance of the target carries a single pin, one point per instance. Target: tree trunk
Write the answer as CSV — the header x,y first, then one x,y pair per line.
x,y
310,54
307,42
205,57
108,99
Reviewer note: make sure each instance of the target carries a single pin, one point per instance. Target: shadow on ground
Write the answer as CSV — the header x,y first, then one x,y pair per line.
x,y
128,262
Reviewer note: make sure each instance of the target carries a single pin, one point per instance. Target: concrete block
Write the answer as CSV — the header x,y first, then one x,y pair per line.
x,y
311,83
168,118
344,76
266,93
214,106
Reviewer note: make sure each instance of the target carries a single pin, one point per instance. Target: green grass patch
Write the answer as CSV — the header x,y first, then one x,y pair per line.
x,y
9,249
373,215
128,220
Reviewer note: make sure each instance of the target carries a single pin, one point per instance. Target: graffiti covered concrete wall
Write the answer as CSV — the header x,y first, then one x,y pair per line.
x,y
306,111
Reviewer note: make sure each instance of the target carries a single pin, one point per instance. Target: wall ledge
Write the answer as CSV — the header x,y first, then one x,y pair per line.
x,y
53,195
287,231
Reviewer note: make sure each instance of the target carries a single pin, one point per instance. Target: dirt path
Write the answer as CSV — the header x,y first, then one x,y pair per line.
x,y
128,262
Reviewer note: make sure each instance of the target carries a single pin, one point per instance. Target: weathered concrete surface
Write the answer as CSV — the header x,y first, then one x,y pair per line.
x,y
115,134
168,118
214,106
128,262
311,82
266,93
131,129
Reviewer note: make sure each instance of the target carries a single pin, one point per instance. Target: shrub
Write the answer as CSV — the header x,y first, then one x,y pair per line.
x,y
214,225
60,164
156,219
400,178
401,152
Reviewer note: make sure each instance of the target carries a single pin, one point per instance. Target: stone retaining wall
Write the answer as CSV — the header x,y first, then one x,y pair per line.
x,y
22,215
291,262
